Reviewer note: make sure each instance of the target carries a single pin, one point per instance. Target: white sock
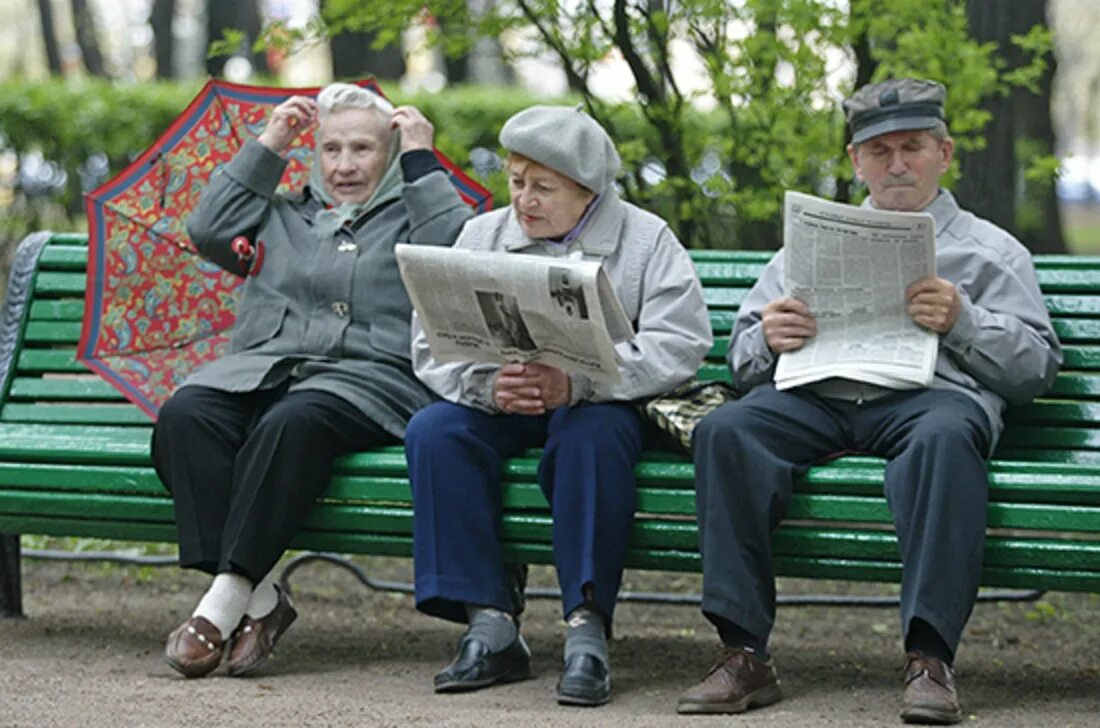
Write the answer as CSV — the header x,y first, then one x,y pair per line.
x,y
264,599
224,602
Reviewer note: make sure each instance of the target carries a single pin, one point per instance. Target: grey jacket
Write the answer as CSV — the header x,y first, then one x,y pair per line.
x,y
654,278
1002,348
330,315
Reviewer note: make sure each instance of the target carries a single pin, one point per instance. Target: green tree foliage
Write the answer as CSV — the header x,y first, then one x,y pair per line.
x,y
773,66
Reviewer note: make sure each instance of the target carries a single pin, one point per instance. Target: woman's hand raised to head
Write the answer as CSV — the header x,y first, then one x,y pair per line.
x,y
416,131
288,120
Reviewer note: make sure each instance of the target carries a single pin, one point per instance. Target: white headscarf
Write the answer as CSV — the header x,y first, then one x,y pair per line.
x,y
333,217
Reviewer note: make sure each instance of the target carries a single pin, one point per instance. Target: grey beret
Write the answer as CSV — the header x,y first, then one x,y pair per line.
x,y
903,104
566,140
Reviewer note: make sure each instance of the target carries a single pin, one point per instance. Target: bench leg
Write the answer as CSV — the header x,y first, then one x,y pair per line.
x,y
11,589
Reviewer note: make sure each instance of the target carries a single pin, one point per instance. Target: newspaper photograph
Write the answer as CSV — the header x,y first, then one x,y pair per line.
x,y
851,266
512,307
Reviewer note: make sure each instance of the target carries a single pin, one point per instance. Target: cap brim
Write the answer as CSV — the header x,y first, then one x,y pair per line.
x,y
904,123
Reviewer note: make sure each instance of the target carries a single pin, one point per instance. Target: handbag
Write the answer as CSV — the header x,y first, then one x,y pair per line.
x,y
677,412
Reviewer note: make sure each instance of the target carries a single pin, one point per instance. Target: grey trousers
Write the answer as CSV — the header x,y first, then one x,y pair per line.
x,y
749,452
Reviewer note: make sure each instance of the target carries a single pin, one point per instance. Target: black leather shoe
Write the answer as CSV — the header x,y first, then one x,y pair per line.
x,y
584,681
476,667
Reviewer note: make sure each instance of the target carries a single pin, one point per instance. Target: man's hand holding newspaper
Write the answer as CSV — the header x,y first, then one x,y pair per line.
x,y
515,308
867,277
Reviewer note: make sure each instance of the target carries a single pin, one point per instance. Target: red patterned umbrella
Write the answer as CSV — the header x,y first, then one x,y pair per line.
x,y
154,309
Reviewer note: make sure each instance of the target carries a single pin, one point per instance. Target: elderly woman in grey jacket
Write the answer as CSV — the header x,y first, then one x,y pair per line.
x,y
319,356
561,166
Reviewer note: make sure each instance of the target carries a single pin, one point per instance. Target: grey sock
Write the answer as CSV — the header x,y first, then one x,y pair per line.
x,y
492,626
585,632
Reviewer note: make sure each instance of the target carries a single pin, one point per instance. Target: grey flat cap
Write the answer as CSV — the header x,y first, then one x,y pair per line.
x,y
566,140
902,104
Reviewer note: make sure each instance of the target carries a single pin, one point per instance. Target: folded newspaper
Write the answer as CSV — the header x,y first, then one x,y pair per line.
x,y
512,307
851,266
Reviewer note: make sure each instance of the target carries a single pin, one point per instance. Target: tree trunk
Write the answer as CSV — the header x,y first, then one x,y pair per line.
x,y
865,71
49,37
87,38
164,42
242,15
1039,223
353,57
457,69
251,21
993,184
988,184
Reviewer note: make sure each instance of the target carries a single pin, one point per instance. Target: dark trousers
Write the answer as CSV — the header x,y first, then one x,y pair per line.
x,y
245,468
587,474
749,452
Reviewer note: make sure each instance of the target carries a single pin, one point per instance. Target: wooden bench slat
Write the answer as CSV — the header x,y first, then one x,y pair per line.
x,y
51,332
95,478
64,389
1056,438
102,413
115,444
794,566
61,309
60,255
647,533
62,360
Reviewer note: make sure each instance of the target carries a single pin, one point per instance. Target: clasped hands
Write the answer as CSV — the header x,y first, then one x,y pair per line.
x,y
531,389
933,304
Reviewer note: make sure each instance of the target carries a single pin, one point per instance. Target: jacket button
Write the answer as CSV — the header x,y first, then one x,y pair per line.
x,y
340,309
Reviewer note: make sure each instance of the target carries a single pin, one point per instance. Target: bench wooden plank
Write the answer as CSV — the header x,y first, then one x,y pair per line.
x,y
100,413
61,360
647,533
394,545
76,387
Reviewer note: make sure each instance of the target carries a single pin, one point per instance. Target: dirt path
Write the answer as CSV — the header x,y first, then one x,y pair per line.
x,y
90,655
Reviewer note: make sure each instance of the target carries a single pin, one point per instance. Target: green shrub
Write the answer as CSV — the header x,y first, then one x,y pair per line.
x,y
69,121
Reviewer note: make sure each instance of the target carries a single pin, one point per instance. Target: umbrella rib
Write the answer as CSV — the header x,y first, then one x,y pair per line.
x,y
153,350
226,119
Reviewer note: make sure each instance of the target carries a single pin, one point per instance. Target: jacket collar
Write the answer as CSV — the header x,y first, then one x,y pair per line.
x,y
599,237
944,209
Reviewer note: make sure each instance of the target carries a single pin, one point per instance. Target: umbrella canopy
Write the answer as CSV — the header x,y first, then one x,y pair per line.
x,y
154,309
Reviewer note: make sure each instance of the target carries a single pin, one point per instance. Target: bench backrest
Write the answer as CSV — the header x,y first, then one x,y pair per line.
x,y
47,385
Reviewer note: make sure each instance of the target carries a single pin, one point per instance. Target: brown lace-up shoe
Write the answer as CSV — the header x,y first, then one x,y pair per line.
x,y
195,648
254,639
738,681
930,695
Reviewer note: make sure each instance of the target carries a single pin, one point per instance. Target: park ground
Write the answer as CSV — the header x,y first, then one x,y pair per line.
x,y
89,654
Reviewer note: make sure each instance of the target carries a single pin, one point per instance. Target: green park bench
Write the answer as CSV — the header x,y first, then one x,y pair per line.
x,y
74,456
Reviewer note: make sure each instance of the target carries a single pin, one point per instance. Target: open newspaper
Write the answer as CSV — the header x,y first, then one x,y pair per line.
x,y
511,307
851,266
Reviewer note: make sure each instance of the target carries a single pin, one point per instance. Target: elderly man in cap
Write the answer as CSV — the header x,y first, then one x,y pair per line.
x,y
561,167
996,346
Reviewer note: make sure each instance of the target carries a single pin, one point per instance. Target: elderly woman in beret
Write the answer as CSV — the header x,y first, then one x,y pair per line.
x,y
561,165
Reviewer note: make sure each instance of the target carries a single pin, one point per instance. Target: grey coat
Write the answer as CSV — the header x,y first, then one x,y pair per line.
x,y
330,315
654,278
1002,348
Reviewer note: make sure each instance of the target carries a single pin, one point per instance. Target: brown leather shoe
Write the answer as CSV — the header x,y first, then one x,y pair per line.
x,y
738,681
195,648
254,639
930,695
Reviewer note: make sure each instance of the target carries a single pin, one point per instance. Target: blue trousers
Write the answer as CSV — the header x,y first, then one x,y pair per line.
x,y
749,452
586,473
